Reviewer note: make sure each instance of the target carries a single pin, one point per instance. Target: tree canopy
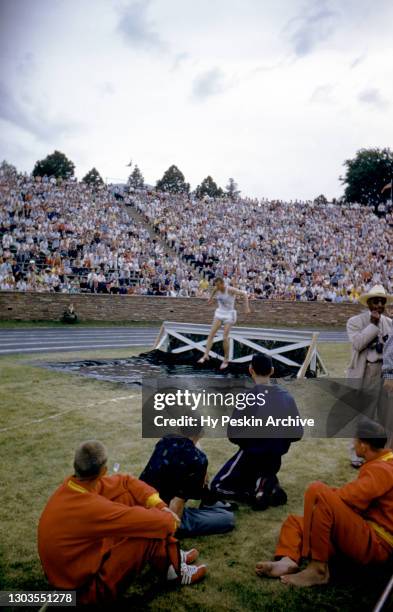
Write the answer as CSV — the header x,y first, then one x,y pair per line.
x,y
173,181
321,199
208,187
93,177
7,170
232,189
366,175
136,180
56,164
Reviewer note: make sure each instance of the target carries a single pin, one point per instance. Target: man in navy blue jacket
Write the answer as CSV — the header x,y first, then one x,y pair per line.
x,y
251,474
178,470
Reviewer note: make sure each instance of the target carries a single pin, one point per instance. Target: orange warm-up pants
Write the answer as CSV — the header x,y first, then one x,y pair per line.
x,y
329,526
124,559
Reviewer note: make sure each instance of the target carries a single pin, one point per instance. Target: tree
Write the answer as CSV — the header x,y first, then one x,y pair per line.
x,y
366,175
136,180
173,181
321,199
93,177
56,164
232,189
208,187
7,170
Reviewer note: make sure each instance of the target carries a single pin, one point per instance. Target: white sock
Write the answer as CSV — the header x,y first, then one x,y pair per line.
x,y
171,574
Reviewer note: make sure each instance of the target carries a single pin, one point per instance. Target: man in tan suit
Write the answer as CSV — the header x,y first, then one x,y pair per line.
x,y
367,333
387,375
387,368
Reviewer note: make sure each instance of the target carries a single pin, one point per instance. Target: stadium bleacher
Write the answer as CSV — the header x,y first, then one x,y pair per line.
x,y
66,236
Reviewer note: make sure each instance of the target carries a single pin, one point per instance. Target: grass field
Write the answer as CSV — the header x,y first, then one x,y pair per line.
x,y
45,414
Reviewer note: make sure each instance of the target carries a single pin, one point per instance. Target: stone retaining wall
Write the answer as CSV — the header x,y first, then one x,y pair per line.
x,y
49,307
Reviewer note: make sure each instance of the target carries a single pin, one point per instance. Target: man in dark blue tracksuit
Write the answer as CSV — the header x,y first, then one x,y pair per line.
x,y
251,474
177,469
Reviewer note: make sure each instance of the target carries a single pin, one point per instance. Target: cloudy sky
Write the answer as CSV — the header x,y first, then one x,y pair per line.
x,y
274,93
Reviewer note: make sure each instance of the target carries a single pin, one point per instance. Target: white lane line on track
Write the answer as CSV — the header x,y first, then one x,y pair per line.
x,y
82,335
119,330
58,414
126,330
78,347
68,339
42,339
81,345
79,330
111,334
61,339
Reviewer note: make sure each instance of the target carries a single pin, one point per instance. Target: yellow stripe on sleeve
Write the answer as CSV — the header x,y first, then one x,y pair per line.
x,y
382,532
387,457
153,501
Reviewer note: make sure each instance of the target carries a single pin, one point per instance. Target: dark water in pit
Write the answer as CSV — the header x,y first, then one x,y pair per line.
x,y
130,371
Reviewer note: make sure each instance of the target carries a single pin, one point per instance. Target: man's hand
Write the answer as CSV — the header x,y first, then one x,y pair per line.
x,y
375,317
177,505
175,516
388,385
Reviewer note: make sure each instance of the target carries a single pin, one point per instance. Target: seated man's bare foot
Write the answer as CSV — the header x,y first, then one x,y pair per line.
x,y
316,573
203,359
275,569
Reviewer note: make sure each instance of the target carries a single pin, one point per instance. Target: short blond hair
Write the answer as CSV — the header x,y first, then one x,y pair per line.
x,y
89,458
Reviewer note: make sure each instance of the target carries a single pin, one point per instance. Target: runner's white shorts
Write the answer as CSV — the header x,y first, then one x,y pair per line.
x,y
226,316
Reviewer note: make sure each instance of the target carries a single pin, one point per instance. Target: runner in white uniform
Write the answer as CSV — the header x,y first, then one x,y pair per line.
x,y
225,310
225,314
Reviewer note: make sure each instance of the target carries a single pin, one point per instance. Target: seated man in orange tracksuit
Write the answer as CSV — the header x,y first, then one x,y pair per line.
x,y
97,531
356,519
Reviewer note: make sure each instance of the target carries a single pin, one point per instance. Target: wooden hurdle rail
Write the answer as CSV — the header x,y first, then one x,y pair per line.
x,y
246,336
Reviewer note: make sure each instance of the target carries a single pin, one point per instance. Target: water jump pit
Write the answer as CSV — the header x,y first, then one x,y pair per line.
x,y
179,346
130,371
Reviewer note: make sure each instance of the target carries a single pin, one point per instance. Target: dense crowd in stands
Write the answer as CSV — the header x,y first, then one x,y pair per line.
x,y
278,250
65,236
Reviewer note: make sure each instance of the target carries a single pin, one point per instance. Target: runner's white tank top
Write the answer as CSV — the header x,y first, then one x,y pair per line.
x,y
225,301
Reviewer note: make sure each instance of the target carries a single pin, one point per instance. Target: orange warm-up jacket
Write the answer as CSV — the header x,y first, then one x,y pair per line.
x,y
371,494
80,523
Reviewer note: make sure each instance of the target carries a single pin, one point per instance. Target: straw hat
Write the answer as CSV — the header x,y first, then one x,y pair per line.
x,y
376,291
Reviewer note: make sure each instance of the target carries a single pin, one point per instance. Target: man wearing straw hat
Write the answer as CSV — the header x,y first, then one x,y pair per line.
x,y
368,332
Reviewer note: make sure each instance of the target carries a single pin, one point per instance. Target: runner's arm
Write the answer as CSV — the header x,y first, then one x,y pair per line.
x,y
244,294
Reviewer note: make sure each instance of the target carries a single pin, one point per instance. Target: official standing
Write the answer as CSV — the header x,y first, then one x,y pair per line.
x,y
368,332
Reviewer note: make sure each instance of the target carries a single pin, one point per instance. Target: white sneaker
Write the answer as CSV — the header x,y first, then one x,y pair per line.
x,y
189,556
192,573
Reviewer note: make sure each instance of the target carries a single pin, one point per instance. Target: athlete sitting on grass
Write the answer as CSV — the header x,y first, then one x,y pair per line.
x,y
355,520
97,531
177,469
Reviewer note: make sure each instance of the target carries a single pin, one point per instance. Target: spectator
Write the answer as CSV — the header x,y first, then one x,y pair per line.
x,y
69,315
273,249
70,238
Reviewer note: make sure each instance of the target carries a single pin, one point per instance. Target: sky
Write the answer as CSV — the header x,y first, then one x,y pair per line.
x,y
276,94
